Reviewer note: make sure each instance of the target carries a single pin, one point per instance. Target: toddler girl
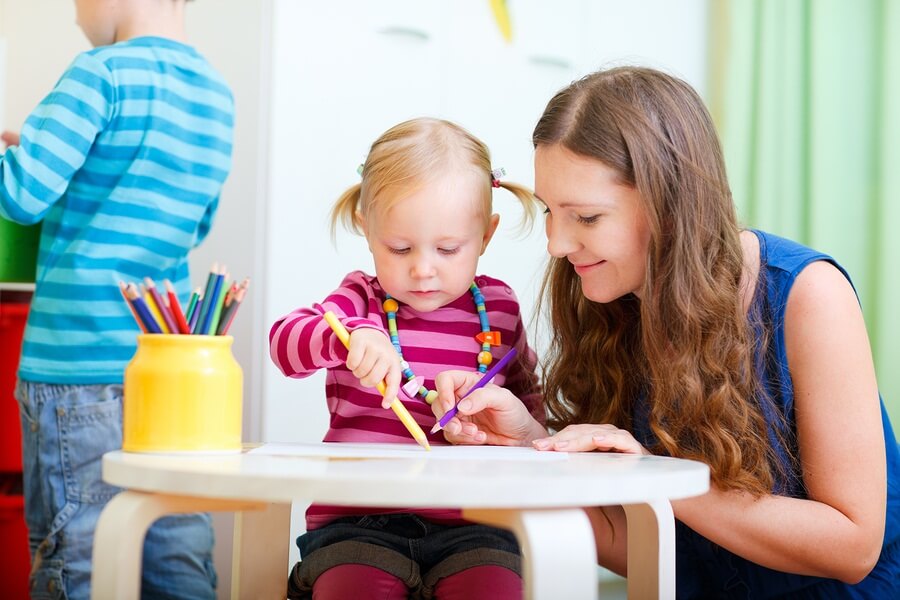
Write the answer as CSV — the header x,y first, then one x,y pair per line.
x,y
424,206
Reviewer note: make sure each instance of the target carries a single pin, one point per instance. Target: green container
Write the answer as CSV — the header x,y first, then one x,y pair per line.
x,y
18,251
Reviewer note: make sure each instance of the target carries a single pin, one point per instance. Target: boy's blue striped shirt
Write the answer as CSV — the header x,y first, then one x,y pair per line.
x,y
123,161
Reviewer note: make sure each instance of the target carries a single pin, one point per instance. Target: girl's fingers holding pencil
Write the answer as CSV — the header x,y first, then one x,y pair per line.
x,y
391,385
374,370
373,360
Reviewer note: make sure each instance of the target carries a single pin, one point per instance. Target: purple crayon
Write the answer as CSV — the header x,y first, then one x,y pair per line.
x,y
481,383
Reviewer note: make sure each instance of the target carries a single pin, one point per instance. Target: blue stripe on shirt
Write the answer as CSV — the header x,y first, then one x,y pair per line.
x,y
174,102
71,353
187,78
165,126
58,130
140,212
79,108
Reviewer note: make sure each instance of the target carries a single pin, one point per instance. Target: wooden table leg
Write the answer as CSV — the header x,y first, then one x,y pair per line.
x,y
560,557
262,542
119,537
651,550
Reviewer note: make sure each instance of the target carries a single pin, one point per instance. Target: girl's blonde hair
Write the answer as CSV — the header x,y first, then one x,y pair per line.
x,y
409,155
686,346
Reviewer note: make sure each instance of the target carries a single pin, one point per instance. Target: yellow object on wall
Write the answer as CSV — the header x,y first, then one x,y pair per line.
x,y
183,393
501,15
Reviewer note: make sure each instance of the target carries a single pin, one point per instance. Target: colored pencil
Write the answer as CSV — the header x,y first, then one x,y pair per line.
x,y
217,313
396,405
151,306
156,309
480,384
134,313
231,292
175,308
195,315
210,303
192,305
153,326
161,305
229,311
207,297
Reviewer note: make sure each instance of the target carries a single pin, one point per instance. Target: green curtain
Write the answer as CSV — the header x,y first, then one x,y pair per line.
x,y
806,95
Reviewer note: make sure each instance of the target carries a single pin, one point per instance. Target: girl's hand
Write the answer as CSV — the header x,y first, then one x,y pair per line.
x,y
491,415
586,438
373,359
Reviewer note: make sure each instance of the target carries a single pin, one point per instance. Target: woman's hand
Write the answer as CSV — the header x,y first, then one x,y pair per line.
x,y
373,359
586,438
491,415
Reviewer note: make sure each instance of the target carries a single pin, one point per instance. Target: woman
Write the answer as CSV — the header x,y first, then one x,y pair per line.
x,y
676,333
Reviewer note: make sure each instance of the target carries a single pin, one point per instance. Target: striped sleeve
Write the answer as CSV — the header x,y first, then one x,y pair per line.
x,y
55,141
301,342
206,221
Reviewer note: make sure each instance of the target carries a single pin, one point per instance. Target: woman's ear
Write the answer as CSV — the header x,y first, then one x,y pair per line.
x,y
489,232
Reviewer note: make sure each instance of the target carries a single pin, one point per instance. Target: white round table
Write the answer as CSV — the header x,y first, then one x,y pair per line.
x,y
539,500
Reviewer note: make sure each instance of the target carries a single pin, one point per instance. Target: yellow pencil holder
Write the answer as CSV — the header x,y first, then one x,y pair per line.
x,y
182,394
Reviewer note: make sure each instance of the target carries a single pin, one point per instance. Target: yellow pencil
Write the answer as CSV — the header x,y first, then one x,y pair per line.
x,y
396,405
151,304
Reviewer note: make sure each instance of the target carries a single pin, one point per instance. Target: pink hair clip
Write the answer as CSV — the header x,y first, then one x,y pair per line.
x,y
496,174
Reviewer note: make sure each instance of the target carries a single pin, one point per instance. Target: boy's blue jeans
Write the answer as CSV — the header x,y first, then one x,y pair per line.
x,y
66,429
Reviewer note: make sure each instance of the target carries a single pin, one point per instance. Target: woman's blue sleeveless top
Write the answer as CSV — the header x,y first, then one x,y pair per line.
x,y
705,570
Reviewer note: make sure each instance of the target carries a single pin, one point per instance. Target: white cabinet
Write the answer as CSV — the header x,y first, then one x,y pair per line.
x,y
343,71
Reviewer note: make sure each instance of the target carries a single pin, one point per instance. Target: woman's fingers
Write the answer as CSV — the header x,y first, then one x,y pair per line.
x,y
491,415
464,433
488,397
468,429
619,441
451,385
587,438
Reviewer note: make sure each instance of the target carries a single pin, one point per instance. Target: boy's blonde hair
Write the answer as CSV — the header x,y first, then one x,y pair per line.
x,y
408,156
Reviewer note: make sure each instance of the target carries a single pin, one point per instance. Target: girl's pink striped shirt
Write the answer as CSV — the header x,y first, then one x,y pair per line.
x,y
301,343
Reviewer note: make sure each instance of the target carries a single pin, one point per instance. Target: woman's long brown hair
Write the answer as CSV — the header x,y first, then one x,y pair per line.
x,y
687,345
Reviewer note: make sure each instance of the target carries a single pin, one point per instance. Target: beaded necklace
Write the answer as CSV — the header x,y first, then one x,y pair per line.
x,y
487,338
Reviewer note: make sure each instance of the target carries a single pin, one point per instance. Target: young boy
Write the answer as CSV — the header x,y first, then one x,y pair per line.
x,y
123,162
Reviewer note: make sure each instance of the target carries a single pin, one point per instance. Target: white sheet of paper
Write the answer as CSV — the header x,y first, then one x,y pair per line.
x,y
366,450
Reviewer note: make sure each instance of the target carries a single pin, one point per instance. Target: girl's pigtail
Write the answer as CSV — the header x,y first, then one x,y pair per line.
x,y
529,204
346,211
